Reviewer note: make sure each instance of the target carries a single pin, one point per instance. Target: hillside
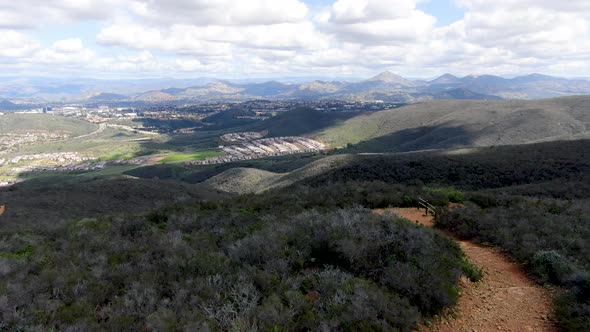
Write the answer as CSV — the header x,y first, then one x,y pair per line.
x,y
107,97
251,180
6,105
475,168
460,93
243,180
287,254
59,198
302,121
10,123
386,86
461,123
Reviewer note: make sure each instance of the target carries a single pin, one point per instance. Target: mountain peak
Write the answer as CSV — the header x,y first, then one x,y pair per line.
x,y
446,79
388,77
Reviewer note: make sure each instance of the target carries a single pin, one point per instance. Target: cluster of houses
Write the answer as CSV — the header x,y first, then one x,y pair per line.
x,y
59,157
79,164
13,140
133,161
268,147
242,136
63,162
83,167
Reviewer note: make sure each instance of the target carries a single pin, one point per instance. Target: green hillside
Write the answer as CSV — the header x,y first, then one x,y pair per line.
x,y
58,198
461,123
29,122
303,121
289,252
472,169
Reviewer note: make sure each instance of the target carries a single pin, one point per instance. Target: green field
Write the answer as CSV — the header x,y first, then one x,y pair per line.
x,y
191,156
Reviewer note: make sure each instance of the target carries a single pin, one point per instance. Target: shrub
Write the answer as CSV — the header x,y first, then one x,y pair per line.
x,y
550,266
549,236
219,268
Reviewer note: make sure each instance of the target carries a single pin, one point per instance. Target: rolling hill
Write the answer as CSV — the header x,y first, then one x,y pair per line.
x,y
459,123
302,121
505,166
6,105
533,86
58,198
386,86
391,87
436,126
108,97
42,122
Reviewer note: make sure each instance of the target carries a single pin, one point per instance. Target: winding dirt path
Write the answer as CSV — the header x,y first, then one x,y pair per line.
x,y
505,300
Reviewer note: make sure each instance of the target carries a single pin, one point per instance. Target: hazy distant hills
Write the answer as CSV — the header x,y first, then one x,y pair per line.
x,y
6,105
534,86
108,97
385,86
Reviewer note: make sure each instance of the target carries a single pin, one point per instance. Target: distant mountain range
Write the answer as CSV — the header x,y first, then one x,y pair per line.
x,y
386,86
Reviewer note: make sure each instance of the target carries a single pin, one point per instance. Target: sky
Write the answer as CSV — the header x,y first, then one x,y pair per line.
x,y
293,38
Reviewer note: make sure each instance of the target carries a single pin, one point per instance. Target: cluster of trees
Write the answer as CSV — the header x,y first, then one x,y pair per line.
x,y
549,236
227,266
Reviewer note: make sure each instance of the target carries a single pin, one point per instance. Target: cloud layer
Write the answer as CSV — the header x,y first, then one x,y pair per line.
x,y
234,38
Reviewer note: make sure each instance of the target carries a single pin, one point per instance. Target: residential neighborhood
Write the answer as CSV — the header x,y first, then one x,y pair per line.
x,y
261,148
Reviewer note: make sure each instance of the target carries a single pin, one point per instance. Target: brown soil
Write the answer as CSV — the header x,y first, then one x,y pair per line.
x,y
505,300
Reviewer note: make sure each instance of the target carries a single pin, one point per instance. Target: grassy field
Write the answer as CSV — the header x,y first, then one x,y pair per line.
x,y
191,156
30,122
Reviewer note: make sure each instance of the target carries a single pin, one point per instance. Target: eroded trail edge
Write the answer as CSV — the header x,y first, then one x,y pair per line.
x,y
505,300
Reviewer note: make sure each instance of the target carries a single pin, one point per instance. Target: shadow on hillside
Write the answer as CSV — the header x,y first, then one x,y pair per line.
x,y
546,165
304,121
414,139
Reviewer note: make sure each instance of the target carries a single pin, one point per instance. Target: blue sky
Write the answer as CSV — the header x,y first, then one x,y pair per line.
x,y
261,38
445,11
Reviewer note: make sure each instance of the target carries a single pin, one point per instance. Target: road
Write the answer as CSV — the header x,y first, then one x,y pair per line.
x,y
101,128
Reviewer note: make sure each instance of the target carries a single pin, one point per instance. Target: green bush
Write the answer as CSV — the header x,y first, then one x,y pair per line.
x,y
220,268
550,266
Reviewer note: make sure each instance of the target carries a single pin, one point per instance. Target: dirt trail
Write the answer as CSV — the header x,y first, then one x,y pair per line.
x,y
505,300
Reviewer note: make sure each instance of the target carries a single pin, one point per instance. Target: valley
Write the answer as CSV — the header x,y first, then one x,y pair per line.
x,y
227,178
226,137
295,166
